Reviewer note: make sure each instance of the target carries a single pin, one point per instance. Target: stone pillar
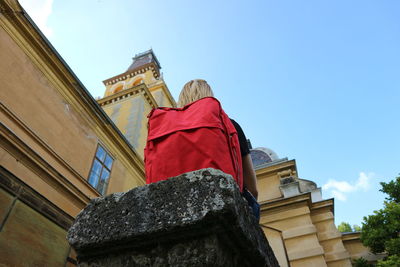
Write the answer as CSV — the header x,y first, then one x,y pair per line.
x,y
329,236
195,219
292,217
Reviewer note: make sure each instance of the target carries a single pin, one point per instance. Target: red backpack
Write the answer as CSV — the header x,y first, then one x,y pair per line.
x,y
199,135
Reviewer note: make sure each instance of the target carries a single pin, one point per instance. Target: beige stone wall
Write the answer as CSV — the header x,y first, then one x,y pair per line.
x,y
356,249
161,98
329,237
268,187
299,234
50,129
27,237
44,122
49,136
276,242
55,193
32,98
130,116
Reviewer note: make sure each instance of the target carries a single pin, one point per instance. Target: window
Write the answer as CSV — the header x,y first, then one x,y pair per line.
x,y
101,169
137,82
119,88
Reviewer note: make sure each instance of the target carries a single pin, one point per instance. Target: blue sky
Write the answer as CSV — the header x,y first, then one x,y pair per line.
x,y
316,81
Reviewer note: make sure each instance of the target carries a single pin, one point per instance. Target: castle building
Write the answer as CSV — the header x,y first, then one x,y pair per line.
x,y
59,148
297,221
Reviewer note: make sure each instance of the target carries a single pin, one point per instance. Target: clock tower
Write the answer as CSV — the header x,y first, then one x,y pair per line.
x,y
131,95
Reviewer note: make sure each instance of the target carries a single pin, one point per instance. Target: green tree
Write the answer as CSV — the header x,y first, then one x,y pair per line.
x,y
391,261
344,227
392,189
361,262
381,231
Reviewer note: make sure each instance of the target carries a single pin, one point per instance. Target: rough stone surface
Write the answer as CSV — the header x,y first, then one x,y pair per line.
x,y
195,219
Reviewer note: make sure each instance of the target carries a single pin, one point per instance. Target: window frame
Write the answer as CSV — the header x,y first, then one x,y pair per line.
x,y
103,166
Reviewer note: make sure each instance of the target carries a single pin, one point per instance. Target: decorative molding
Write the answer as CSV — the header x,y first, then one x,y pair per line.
x,y
305,253
287,213
351,236
30,159
19,123
136,90
277,168
267,205
326,216
33,199
8,7
326,203
329,235
299,231
131,73
337,256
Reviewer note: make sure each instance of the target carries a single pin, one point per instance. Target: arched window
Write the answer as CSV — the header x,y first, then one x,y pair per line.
x,y
119,88
137,82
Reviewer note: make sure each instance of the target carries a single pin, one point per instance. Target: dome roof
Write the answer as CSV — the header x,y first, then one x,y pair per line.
x,y
262,155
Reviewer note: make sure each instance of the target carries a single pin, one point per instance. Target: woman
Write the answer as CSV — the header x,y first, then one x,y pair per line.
x,y
197,89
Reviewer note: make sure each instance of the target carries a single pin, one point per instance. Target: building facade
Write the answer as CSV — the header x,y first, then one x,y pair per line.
x,y
58,148
298,223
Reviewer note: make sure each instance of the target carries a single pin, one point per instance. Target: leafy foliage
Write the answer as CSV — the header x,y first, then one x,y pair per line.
x,y
344,227
361,262
391,261
381,231
392,189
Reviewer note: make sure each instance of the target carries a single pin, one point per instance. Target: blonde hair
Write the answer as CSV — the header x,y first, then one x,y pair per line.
x,y
194,90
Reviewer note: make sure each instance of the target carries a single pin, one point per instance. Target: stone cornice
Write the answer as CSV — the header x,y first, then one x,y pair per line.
x,y
267,205
131,73
22,126
35,45
33,161
351,236
277,168
139,89
327,203
30,197
9,7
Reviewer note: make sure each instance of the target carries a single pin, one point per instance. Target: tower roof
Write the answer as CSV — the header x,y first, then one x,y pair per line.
x,y
141,63
143,59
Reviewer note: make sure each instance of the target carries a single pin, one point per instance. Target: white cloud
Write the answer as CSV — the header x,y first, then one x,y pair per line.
x,y
363,181
39,11
342,186
338,195
339,189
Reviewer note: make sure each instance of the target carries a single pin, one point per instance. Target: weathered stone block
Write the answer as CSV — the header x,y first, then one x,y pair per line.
x,y
195,219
